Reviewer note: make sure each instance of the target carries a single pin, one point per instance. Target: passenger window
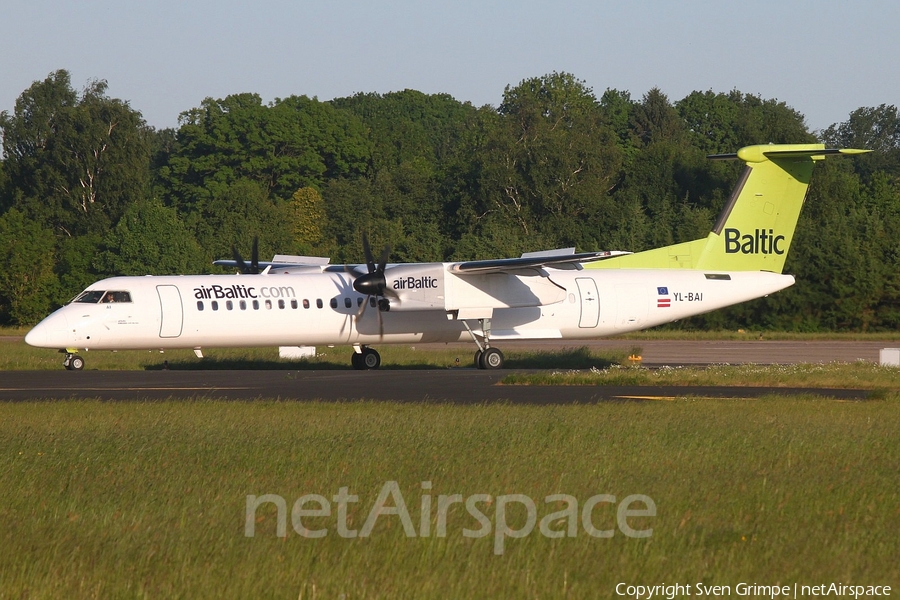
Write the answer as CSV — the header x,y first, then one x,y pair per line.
x,y
305,303
229,305
200,305
243,305
334,303
372,301
268,305
215,305
281,304
348,302
293,304
319,302
256,305
359,301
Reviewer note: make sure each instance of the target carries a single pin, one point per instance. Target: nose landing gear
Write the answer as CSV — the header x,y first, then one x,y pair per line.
x,y
73,362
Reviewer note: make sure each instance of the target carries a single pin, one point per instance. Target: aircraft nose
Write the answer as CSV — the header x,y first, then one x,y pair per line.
x,y
49,333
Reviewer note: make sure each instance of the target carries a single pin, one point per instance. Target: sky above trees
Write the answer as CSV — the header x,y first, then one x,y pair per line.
x,y
824,59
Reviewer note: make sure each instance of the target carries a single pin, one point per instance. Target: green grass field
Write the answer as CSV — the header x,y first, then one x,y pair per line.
x,y
149,499
106,499
858,375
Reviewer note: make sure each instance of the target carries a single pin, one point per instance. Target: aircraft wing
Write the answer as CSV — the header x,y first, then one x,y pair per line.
x,y
561,259
534,260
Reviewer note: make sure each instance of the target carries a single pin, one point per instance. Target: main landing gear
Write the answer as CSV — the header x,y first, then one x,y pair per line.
x,y
365,358
486,357
73,362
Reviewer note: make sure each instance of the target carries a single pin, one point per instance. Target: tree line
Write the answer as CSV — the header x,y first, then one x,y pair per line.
x,y
88,189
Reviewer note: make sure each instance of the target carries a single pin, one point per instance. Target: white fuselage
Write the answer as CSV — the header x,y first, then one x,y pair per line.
x,y
208,311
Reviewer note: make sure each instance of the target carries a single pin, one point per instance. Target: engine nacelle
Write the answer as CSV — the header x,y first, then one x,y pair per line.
x,y
431,287
417,286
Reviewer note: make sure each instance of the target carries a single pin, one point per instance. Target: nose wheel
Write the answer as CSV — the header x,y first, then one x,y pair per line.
x,y
73,362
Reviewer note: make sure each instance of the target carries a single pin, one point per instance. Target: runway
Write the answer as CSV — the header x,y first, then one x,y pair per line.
x,y
462,385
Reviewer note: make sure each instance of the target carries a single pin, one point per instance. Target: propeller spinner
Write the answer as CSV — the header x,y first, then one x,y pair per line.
x,y
373,283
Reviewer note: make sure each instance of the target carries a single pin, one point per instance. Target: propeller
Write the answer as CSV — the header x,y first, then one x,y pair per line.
x,y
373,283
253,267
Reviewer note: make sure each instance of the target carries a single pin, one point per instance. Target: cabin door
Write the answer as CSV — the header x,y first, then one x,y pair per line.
x,y
172,318
590,302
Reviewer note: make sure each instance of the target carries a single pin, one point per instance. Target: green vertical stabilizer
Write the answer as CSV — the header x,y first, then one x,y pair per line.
x,y
755,229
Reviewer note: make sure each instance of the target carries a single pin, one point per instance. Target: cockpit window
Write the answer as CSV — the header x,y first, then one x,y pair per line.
x,y
116,297
102,297
90,296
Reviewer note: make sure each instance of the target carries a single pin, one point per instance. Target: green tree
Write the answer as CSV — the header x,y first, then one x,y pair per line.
x,y
75,265
27,276
149,239
308,221
722,123
655,120
410,127
870,128
73,162
422,168
550,162
289,144
240,212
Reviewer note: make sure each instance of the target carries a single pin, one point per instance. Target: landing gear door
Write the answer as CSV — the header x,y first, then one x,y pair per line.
x,y
172,317
590,302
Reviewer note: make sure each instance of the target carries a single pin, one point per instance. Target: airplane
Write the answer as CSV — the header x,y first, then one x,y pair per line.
x,y
557,294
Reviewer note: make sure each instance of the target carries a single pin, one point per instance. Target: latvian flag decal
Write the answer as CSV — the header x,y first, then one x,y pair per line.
x,y
663,301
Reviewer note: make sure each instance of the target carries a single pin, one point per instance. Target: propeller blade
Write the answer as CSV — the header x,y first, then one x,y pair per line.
x,y
367,250
373,283
253,267
362,309
239,260
382,263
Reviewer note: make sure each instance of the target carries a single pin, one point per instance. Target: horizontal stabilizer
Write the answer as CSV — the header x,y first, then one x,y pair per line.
x,y
756,154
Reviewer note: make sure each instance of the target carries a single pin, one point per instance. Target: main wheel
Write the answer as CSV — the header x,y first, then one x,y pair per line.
x,y
370,359
76,363
478,364
356,361
492,358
